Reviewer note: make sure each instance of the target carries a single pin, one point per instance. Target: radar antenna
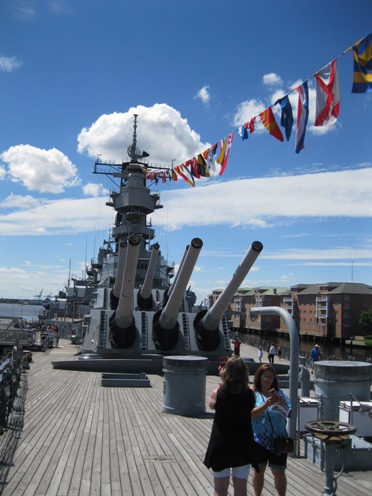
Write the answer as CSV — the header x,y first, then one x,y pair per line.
x,y
133,152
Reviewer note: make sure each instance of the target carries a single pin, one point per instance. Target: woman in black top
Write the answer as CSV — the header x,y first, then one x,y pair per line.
x,y
231,442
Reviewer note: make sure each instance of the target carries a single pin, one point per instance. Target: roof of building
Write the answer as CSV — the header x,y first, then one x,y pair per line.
x,y
353,288
337,288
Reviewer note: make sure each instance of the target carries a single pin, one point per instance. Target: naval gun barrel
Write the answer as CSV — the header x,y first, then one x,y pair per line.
x,y
174,282
144,297
124,312
165,325
115,292
122,324
206,323
214,315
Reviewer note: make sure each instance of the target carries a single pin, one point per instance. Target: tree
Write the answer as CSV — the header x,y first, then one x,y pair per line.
x,y
365,321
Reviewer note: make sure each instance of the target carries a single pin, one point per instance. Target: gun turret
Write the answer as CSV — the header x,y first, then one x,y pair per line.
x,y
122,325
145,300
207,322
165,325
115,292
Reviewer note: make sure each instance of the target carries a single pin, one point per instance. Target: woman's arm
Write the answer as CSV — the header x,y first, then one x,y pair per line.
x,y
213,399
259,410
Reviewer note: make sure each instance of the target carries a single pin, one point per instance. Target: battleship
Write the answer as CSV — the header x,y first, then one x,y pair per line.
x,y
141,310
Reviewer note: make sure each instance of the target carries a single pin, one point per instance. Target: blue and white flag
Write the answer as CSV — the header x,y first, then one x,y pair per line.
x,y
243,132
302,115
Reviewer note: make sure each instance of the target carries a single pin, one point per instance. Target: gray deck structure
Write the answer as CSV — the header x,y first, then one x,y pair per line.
x,y
71,436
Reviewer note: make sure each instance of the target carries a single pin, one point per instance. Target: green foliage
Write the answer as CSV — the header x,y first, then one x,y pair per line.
x,y
365,321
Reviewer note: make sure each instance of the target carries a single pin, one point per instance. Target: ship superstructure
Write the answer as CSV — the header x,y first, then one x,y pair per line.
x,y
141,310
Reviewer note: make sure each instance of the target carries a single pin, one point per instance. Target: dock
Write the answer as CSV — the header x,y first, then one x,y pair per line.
x,y
68,435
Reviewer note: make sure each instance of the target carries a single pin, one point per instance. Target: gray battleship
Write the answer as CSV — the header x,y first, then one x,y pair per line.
x,y
141,311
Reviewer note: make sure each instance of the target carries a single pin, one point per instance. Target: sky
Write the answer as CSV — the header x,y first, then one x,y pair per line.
x,y
72,74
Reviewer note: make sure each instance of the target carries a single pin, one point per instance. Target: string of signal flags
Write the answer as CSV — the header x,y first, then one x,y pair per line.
x,y
213,160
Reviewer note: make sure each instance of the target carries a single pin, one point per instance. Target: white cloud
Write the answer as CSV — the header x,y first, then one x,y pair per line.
x,y
270,201
327,194
162,131
252,108
94,189
45,171
19,202
24,10
9,64
59,7
68,216
338,253
204,95
248,109
272,79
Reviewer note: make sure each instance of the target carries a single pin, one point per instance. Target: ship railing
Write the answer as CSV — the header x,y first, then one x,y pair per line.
x,y
10,378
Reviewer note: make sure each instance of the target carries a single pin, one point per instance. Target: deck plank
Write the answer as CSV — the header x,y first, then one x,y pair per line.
x,y
73,437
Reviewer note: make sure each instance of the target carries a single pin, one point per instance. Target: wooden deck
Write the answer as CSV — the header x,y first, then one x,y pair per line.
x,y
71,436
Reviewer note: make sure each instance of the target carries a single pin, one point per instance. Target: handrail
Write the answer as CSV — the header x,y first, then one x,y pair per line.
x,y
10,377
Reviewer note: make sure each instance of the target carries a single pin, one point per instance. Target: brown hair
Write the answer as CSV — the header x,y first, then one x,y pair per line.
x,y
257,376
235,376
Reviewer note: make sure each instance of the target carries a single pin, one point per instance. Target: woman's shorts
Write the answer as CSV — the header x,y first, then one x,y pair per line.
x,y
238,472
264,457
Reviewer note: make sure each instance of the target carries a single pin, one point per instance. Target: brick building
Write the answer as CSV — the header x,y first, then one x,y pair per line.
x,y
329,311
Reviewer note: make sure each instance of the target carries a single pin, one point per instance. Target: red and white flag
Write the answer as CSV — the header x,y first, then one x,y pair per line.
x,y
327,95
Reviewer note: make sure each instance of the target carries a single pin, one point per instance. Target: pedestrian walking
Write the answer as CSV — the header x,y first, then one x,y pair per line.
x,y
272,353
260,354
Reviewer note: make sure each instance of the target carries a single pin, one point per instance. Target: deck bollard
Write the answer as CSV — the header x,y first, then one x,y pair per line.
x,y
184,385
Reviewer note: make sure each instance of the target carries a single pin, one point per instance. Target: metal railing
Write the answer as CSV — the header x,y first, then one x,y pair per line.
x,y
10,378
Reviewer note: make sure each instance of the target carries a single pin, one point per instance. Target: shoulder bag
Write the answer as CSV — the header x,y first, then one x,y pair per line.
x,y
281,444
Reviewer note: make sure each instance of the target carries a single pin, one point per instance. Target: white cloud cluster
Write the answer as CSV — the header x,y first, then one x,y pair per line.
x,y
163,132
18,202
272,79
248,109
61,217
45,171
323,195
327,194
9,64
94,189
204,95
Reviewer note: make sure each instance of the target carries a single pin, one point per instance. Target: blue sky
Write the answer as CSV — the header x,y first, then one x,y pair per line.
x,y
72,74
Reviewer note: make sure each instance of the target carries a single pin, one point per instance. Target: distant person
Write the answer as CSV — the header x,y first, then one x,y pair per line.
x,y
230,447
260,354
272,353
237,344
269,420
279,352
314,356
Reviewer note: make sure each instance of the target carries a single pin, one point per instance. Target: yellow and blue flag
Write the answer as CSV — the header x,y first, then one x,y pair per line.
x,y
362,65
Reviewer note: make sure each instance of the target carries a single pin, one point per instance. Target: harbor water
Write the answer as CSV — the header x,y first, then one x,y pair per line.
x,y
27,312
329,351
